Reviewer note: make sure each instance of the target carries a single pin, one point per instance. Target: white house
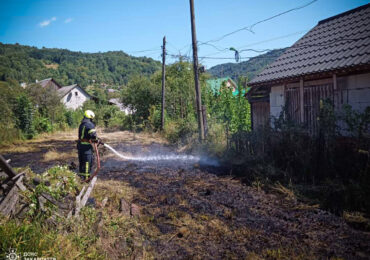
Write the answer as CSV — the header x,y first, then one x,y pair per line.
x,y
73,96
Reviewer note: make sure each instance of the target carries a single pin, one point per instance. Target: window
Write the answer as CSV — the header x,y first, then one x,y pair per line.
x,y
76,93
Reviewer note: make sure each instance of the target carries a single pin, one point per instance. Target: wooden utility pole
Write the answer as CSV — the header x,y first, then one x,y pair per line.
x,y
198,94
163,80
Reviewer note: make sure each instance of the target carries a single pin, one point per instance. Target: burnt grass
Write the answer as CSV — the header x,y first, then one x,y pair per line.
x,y
198,213
195,212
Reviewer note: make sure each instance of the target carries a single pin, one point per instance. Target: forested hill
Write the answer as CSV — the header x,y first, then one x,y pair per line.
x,y
248,68
26,64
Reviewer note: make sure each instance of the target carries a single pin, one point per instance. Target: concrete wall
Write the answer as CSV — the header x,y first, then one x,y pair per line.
x,y
75,98
276,101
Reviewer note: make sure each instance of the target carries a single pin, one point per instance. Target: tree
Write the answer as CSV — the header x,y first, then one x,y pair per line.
x,y
139,95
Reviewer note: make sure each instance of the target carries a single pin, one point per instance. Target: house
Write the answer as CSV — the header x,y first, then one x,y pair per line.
x,y
217,84
73,96
50,82
331,61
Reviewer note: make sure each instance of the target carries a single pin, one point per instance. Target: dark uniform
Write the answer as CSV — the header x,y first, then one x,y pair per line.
x,y
86,132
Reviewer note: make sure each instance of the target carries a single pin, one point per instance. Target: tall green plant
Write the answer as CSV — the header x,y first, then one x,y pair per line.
x,y
24,115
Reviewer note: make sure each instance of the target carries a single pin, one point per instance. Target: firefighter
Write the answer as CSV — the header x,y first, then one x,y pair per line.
x,y
86,135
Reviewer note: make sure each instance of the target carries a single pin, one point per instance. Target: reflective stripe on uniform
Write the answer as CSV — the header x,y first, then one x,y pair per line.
x,y
84,142
91,131
83,132
87,170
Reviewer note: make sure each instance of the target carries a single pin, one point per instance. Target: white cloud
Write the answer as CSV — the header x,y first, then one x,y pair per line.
x,y
68,20
47,22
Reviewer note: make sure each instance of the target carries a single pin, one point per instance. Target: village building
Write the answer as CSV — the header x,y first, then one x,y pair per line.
x,y
216,85
330,62
73,96
50,82
116,102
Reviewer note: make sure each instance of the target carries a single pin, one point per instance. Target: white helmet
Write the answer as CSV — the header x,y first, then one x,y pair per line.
x,y
89,114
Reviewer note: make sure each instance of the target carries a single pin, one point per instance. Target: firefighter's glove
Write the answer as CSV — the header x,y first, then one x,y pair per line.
x,y
100,141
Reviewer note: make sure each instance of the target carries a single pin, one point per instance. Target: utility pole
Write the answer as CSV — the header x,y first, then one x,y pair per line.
x,y
198,94
163,79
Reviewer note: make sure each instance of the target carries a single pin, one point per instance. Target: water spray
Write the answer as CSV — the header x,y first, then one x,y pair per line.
x,y
154,158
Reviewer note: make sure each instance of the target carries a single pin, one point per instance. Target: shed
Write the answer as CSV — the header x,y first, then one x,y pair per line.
x,y
331,61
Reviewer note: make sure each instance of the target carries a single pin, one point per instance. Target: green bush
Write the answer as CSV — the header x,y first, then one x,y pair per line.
x,y
118,120
42,124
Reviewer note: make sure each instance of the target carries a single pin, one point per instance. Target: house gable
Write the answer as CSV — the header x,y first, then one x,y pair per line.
x,y
73,96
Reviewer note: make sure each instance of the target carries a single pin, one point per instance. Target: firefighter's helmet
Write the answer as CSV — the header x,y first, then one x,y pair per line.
x,y
89,114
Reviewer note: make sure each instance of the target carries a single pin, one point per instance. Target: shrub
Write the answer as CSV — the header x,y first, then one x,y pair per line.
x,y
181,130
42,124
155,119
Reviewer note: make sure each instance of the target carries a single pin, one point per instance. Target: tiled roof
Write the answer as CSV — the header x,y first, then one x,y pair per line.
x,y
339,42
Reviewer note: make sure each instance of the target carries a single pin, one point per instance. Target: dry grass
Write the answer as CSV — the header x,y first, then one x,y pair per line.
x,y
54,155
126,136
114,191
45,141
284,191
20,148
357,219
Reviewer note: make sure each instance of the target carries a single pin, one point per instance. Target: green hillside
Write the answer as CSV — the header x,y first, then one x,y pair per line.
x,y
26,64
248,68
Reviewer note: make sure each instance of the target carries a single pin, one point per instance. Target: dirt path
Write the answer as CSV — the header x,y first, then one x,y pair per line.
x,y
193,213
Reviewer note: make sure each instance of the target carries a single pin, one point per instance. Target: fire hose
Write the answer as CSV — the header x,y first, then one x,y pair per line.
x,y
96,151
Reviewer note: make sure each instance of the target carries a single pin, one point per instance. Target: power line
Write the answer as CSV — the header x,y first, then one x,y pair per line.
x,y
221,58
264,41
250,27
148,50
269,57
288,11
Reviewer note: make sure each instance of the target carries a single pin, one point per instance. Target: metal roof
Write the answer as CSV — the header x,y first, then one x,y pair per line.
x,y
215,84
339,42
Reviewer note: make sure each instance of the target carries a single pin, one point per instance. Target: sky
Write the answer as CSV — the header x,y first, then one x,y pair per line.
x,y
137,27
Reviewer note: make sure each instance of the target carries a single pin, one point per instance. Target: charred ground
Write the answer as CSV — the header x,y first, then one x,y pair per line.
x,y
187,211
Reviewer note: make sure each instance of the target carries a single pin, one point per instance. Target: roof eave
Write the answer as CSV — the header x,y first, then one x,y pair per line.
x,y
314,75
